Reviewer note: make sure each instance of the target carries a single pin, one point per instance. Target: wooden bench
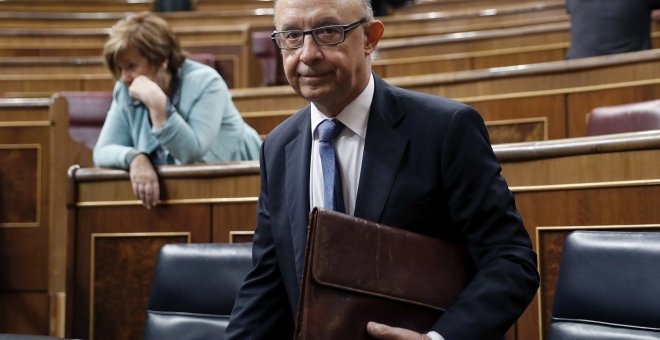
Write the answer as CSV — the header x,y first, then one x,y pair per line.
x,y
509,96
107,217
602,182
200,203
635,66
397,25
442,22
220,5
76,5
260,17
30,203
462,61
509,17
230,44
424,6
525,116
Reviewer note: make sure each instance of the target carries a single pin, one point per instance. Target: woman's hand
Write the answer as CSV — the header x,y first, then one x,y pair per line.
x,y
144,181
148,92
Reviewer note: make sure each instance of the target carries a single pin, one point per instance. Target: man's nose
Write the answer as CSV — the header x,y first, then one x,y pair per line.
x,y
310,50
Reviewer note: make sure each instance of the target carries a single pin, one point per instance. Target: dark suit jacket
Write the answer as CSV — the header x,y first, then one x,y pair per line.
x,y
601,27
427,167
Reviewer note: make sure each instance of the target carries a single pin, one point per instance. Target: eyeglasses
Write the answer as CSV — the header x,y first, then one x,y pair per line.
x,y
324,36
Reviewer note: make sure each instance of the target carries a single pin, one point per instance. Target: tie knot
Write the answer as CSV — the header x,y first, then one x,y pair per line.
x,y
329,129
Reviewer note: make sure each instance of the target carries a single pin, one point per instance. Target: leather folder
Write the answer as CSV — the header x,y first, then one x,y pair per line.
x,y
356,271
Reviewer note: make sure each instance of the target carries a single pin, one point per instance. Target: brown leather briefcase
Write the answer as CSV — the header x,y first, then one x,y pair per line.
x,y
358,271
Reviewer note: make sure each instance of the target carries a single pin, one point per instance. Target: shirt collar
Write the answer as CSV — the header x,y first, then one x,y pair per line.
x,y
354,116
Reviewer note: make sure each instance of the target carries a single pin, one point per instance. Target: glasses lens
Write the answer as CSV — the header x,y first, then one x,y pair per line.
x,y
328,35
291,39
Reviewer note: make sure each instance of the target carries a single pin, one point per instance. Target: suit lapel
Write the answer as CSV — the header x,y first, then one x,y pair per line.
x,y
297,188
383,150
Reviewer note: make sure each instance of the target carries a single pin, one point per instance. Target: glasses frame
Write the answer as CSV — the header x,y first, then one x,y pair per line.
x,y
345,29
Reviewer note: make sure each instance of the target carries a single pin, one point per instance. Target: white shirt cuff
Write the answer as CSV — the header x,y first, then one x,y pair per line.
x,y
434,335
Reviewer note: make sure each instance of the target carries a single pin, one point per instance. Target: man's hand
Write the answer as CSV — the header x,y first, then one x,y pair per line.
x,y
385,332
144,181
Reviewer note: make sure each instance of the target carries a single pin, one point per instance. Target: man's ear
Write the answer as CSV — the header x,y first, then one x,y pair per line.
x,y
373,31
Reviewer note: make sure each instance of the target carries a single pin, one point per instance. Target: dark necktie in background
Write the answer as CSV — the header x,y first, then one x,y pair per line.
x,y
333,197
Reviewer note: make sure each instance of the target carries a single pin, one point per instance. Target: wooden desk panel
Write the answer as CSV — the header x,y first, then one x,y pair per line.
x,y
104,205
199,203
25,151
625,206
76,5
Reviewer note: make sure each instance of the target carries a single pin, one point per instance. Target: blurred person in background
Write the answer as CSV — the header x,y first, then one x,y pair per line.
x,y
166,109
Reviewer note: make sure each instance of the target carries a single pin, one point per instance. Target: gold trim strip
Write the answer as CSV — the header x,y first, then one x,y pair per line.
x,y
562,91
20,146
91,204
19,224
559,228
239,233
26,124
93,237
583,186
543,120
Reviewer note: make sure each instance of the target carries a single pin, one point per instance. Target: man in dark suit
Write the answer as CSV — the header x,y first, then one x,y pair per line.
x,y
607,27
410,160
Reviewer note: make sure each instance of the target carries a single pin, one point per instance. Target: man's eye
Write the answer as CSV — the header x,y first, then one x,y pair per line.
x,y
328,30
292,35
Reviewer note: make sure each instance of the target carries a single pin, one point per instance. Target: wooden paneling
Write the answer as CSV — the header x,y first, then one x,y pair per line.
x,y
565,74
116,250
475,60
580,104
24,215
116,239
231,46
220,200
33,245
19,175
234,222
607,158
24,313
76,5
532,35
118,280
219,5
107,19
621,206
475,19
589,182
454,5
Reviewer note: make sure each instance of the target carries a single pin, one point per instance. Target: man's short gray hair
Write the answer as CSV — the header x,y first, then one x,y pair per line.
x,y
367,10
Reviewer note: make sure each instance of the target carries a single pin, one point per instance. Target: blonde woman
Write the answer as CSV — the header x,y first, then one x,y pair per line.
x,y
166,109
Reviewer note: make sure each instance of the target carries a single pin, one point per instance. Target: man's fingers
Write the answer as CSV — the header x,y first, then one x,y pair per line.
x,y
380,331
385,332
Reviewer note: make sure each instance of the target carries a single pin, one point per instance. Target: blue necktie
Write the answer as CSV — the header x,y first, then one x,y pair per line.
x,y
333,197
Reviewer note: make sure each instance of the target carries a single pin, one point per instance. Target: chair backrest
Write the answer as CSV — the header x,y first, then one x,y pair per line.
x,y
608,287
194,288
87,112
8,336
624,118
204,58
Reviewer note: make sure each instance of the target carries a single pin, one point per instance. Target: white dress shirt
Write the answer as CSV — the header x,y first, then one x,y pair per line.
x,y
349,147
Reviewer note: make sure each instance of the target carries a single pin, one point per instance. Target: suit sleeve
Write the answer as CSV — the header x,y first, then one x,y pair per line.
x,y
261,310
483,207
